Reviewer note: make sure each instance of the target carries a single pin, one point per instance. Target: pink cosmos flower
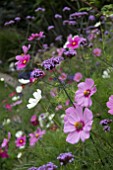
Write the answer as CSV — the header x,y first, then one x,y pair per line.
x,y
34,120
23,59
72,42
77,77
6,141
34,137
16,103
12,94
54,92
20,142
78,124
60,51
3,153
4,147
85,91
59,107
67,102
26,48
63,77
97,52
110,105
33,36
8,107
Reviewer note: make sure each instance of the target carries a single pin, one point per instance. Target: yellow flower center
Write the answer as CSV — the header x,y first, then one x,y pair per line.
x,y
79,125
24,62
1,151
87,93
36,135
74,43
21,141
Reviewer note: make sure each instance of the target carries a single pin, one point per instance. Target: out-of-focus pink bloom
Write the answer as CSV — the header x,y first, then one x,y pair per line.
x,y
4,101
59,107
78,124
97,52
85,91
3,153
16,103
8,107
91,37
60,51
34,137
26,48
110,105
53,92
12,94
4,147
72,42
34,120
20,142
6,141
77,77
34,36
63,77
23,59
67,102
32,80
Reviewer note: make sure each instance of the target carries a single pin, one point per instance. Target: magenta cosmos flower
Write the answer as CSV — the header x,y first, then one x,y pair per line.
x,y
3,153
23,59
4,147
34,120
34,137
85,91
110,105
78,124
34,36
72,42
20,142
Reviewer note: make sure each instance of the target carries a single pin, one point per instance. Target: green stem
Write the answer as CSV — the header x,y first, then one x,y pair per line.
x,y
63,86
106,142
98,152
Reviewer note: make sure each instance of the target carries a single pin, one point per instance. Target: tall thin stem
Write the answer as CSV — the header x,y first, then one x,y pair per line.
x,y
98,152
63,86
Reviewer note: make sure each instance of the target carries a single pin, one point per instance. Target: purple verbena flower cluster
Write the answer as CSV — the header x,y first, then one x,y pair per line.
x,y
50,63
48,166
105,123
65,158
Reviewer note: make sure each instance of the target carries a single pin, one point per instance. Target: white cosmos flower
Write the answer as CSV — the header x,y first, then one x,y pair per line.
x,y
33,101
23,81
6,121
14,98
106,74
19,155
19,133
97,24
19,89
2,79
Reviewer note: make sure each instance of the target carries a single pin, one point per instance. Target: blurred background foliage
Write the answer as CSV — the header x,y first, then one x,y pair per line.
x,y
12,37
